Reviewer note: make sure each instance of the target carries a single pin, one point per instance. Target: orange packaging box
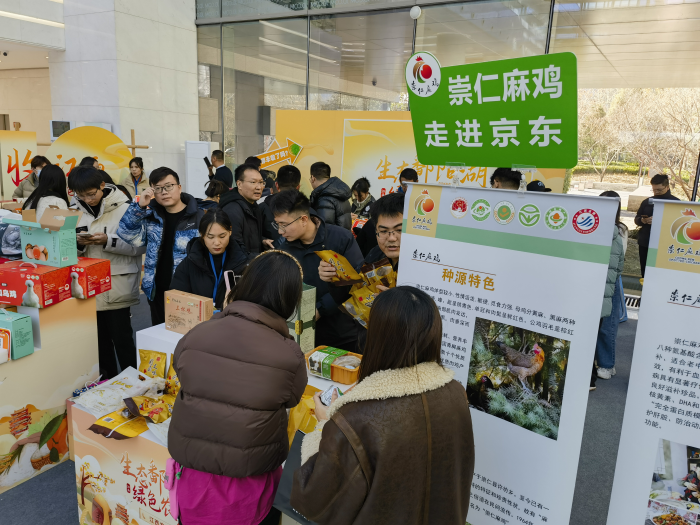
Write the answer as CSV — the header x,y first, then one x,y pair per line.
x,y
184,311
90,277
35,285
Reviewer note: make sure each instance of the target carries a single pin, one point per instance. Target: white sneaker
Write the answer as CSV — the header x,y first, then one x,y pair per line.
x,y
605,373
613,371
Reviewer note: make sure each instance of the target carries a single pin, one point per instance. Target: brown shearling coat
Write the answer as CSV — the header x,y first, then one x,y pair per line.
x,y
398,448
238,372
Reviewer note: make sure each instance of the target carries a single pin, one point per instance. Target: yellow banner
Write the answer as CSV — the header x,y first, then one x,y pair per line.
x,y
17,149
373,144
679,240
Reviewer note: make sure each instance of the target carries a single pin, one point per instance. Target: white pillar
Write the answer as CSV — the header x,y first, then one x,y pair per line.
x,y
132,64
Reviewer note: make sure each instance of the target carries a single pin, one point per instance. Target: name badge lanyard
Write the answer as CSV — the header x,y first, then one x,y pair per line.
x,y
217,278
136,185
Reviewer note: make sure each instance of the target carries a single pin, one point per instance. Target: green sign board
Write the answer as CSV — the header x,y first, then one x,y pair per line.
x,y
516,111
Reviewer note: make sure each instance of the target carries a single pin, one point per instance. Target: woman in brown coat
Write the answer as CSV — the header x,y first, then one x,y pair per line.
x,y
239,373
398,447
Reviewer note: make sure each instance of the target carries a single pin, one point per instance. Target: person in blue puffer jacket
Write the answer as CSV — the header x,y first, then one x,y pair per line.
x,y
164,220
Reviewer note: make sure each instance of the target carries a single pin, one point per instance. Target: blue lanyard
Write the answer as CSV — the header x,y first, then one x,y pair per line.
x,y
217,278
136,186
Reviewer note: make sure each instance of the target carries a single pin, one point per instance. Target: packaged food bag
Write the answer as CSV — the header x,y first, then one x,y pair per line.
x,y
303,416
360,303
346,273
152,363
172,382
379,272
120,424
155,410
109,396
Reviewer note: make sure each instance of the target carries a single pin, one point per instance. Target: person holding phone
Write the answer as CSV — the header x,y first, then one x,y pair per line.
x,y
164,221
209,256
218,170
660,187
103,206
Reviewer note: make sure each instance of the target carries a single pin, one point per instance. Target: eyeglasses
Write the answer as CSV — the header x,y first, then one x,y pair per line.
x,y
283,227
89,196
255,182
163,189
386,234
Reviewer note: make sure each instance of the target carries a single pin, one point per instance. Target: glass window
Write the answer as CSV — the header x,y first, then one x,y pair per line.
x,y
209,82
261,7
357,61
208,8
330,4
483,31
264,70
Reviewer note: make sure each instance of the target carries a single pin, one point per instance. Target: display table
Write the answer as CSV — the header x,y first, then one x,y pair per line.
x,y
161,340
34,389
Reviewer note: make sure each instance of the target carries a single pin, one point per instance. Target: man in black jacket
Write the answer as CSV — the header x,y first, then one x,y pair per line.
x,y
330,197
661,189
223,173
241,206
303,233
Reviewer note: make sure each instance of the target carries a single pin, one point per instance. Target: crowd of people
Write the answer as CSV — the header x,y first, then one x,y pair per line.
x,y
241,371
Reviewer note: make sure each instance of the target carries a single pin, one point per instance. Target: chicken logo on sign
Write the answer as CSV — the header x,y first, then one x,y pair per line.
x,y
423,203
423,74
686,229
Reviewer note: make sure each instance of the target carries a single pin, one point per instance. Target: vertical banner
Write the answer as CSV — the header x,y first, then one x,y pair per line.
x,y
17,148
657,479
519,281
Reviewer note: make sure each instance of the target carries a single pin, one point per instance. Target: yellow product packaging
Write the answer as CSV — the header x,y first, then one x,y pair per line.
x,y
172,382
154,409
380,272
303,416
360,303
346,273
120,425
152,363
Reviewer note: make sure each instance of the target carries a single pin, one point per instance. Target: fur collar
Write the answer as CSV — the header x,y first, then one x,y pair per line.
x,y
382,385
396,383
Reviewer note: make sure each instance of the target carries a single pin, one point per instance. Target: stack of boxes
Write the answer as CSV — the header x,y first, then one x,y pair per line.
x,y
50,272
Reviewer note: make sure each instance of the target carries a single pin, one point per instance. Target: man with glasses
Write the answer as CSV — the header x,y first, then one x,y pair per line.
x,y
241,205
164,220
103,206
303,232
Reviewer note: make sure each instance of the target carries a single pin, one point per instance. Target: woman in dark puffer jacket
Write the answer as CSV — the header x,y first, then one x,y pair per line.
x,y
239,372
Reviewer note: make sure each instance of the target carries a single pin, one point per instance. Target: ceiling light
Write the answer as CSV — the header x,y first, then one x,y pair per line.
x,y
31,19
268,41
303,35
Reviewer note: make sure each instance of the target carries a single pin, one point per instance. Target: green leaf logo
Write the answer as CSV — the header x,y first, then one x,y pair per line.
x,y
529,215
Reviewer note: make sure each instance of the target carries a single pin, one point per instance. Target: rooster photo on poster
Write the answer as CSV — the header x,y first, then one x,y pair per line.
x,y
518,375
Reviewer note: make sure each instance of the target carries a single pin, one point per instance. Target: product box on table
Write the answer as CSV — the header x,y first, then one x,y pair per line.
x,y
16,337
90,277
335,364
302,325
184,311
35,285
51,241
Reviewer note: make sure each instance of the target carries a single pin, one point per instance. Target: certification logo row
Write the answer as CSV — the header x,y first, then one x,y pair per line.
x,y
584,221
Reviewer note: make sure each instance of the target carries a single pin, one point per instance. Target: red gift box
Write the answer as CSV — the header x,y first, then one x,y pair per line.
x,y
90,277
35,285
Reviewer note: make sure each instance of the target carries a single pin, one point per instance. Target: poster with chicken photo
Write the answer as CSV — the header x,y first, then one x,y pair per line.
x,y
518,279
657,476
518,375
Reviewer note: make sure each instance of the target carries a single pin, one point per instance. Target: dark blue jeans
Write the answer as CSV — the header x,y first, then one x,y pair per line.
x,y
605,345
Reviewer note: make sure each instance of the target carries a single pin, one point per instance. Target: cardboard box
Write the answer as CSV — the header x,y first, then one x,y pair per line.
x,y
184,311
12,206
16,334
302,325
30,284
51,241
90,277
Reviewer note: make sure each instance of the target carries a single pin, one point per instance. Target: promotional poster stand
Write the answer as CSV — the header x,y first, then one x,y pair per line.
x,y
518,330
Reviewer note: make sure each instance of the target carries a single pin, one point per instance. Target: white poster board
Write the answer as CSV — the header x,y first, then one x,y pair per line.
x,y
196,173
660,440
504,266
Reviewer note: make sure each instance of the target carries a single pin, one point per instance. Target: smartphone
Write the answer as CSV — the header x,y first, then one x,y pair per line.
x,y
327,396
206,161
